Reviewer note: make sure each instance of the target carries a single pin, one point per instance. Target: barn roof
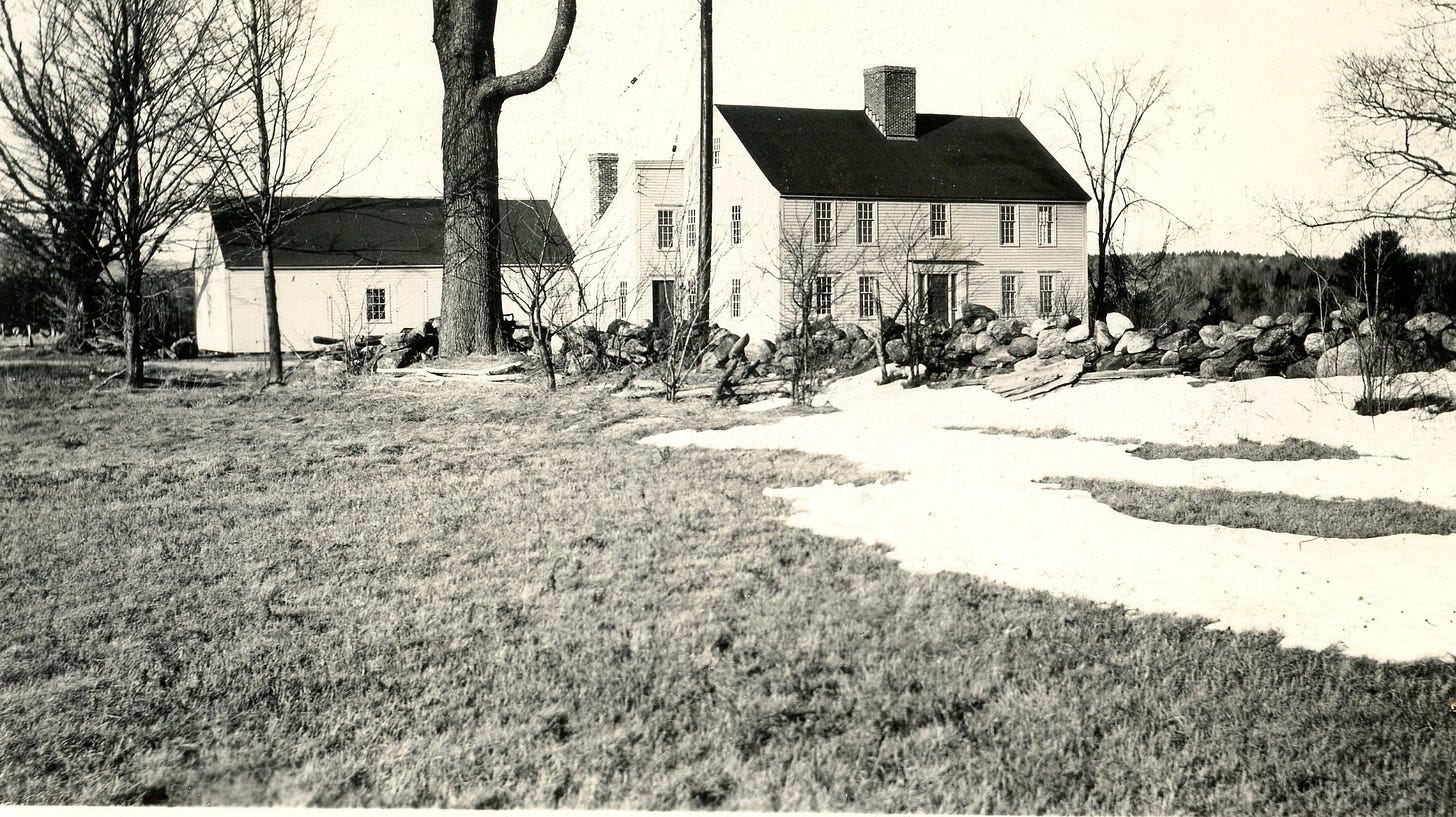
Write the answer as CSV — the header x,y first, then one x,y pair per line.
x,y
335,231
841,154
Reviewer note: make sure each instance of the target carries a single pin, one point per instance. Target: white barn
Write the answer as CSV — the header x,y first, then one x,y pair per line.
x,y
348,266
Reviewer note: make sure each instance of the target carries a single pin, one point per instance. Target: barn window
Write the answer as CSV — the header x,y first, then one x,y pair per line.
x,y
823,222
1008,294
666,230
376,307
1008,224
939,221
865,222
1046,225
823,294
868,300
1044,294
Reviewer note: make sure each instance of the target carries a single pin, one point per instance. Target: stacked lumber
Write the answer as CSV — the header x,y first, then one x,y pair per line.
x,y
1035,383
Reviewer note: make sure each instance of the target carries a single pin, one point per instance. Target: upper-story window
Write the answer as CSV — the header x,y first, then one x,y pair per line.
x,y
717,151
666,230
735,223
865,222
735,297
1008,224
376,305
823,222
939,221
690,228
1046,225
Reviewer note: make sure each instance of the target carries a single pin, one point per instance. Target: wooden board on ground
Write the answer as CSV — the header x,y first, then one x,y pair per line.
x,y
1121,374
1022,385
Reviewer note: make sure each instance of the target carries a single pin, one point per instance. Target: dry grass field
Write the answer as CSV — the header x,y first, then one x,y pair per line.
x,y
471,596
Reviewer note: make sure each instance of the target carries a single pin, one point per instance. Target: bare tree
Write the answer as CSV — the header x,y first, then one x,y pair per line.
x,y
57,151
1397,111
1110,119
275,68
464,34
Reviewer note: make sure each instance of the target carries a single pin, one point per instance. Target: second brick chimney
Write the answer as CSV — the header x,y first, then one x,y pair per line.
x,y
603,182
889,92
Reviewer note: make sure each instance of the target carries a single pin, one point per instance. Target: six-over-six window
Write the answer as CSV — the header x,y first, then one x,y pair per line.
x,y
823,222
823,294
666,230
865,222
939,221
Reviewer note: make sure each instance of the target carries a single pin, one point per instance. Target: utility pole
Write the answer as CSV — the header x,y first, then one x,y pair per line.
x,y
705,165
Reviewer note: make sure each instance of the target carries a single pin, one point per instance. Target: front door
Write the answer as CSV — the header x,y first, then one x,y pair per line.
x,y
937,297
663,304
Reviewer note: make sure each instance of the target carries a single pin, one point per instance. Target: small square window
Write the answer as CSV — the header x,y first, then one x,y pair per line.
x,y
939,221
1008,224
376,307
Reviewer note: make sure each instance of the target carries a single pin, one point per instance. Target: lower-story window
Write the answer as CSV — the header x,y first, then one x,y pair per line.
x,y
1008,294
735,298
823,294
1044,294
376,305
868,297
621,299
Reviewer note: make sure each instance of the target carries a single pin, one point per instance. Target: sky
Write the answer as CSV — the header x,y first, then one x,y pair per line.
x,y
1243,127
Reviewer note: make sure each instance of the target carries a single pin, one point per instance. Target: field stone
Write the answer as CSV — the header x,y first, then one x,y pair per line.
x,y
1219,368
1210,334
1035,328
1301,324
1050,343
1085,348
1136,341
1117,324
1315,343
897,351
1108,363
1253,369
1284,319
1448,340
1005,329
1305,367
1262,322
1022,346
1249,332
842,347
997,355
1365,327
984,341
1432,323
1176,340
862,350
964,344
1274,341
1103,337
759,351
1065,321
1170,358
977,324
974,311
854,332
1078,333
1350,358
328,371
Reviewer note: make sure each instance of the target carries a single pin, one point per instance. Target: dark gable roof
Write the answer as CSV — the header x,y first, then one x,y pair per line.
x,y
841,154
368,232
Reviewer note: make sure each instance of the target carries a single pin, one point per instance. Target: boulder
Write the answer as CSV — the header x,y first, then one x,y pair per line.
x,y
1022,346
709,360
841,347
1301,324
759,351
1170,358
1305,367
1028,364
1107,363
976,325
1004,330
897,351
786,364
1284,319
861,350
1085,348
822,323
854,332
791,346
1177,340
1448,340
1251,369
1050,343
1210,334
964,344
1136,342
1432,323
328,372
972,311
1262,322
1229,327
1358,356
997,355
1249,332
1078,333
1365,327
1102,337
1065,321
1315,343
619,327
1218,368
1274,341
1117,324
1035,328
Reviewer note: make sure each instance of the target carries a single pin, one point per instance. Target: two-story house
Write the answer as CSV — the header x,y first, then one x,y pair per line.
x,y
857,214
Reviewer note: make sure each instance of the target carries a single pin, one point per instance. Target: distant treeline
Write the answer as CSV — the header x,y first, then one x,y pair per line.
x,y
1208,286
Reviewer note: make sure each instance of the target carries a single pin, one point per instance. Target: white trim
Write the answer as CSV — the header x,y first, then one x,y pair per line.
x,y
874,223
1015,225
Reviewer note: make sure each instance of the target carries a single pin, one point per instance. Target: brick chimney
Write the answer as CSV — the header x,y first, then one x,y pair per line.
x,y
889,92
603,182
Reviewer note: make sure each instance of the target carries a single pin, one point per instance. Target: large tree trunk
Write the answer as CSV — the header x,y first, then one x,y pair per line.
x,y
471,297
131,323
270,311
